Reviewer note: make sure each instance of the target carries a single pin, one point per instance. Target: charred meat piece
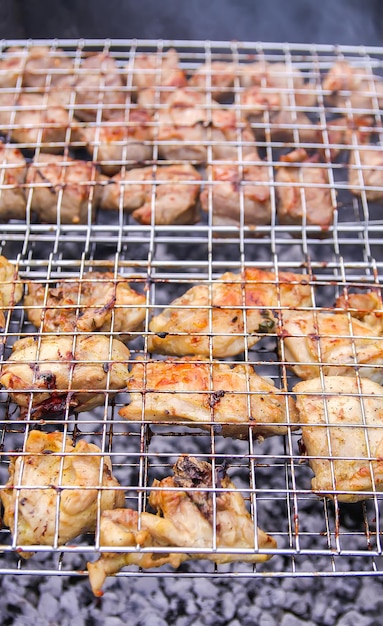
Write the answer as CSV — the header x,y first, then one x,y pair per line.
x,y
99,301
303,192
175,188
185,519
352,86
342,421
11,288
216,78
120,141
202,394
13,170
63,190
36,119
191,128
331,343
234,184
211,318
54,472
45,375
366,172
366,307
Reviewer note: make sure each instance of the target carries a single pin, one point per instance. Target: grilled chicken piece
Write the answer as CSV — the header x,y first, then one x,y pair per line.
x,y
216,78
155,70
120,141
339,133
366,173
13,170
45,375
11,288
185,519
99,301
342,433
45,66
11,67
63,189
202,393
184,328
302,177
189,124
64,475
35,119
352,86
231,183
277,80
331,343
367,307
176,194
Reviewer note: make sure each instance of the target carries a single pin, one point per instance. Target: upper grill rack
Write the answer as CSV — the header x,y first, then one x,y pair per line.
x,y
162,261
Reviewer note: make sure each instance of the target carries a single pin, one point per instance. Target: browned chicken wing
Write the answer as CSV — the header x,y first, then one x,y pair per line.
x,y
202,394
342,434
54,472
176,189
233,185
44,375
210,318
185,518
303,192
99,301
13,170
63,189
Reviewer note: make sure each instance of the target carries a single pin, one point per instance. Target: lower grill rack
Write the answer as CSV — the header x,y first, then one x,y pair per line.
x,y
190,443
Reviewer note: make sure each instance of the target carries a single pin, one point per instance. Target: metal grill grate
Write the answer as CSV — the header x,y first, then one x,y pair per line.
x,y
314,535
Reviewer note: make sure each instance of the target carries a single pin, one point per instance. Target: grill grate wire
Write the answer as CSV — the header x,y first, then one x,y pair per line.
x,y
316,536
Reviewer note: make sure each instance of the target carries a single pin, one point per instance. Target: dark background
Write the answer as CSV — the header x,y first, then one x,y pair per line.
x,y
354,22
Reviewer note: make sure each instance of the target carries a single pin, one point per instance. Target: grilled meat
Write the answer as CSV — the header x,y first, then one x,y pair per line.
x,y
231,184
202,394
45,375
64,476
11,67
45,66
366,172
303,178
216,78
13,170
331,343
277,81
210,318
367,307
176,189
352,86
342,434
11,288
154,70
65,190
185,519
120,141
99,301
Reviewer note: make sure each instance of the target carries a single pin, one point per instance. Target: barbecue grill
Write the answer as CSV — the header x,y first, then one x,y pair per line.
x,y
316,536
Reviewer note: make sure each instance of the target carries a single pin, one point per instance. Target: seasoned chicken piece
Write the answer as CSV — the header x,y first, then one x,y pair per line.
x,y
36,120
340,132
281,125
99,301
118,142
11,288
54,472
365,172
189,124
63,189
350,85
367,307
203,393
210,317
11,67
186,512
331,343
13,170
176,194
216,78
45,66
156,70
342,434
44,375
231,184
303,192
275,81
